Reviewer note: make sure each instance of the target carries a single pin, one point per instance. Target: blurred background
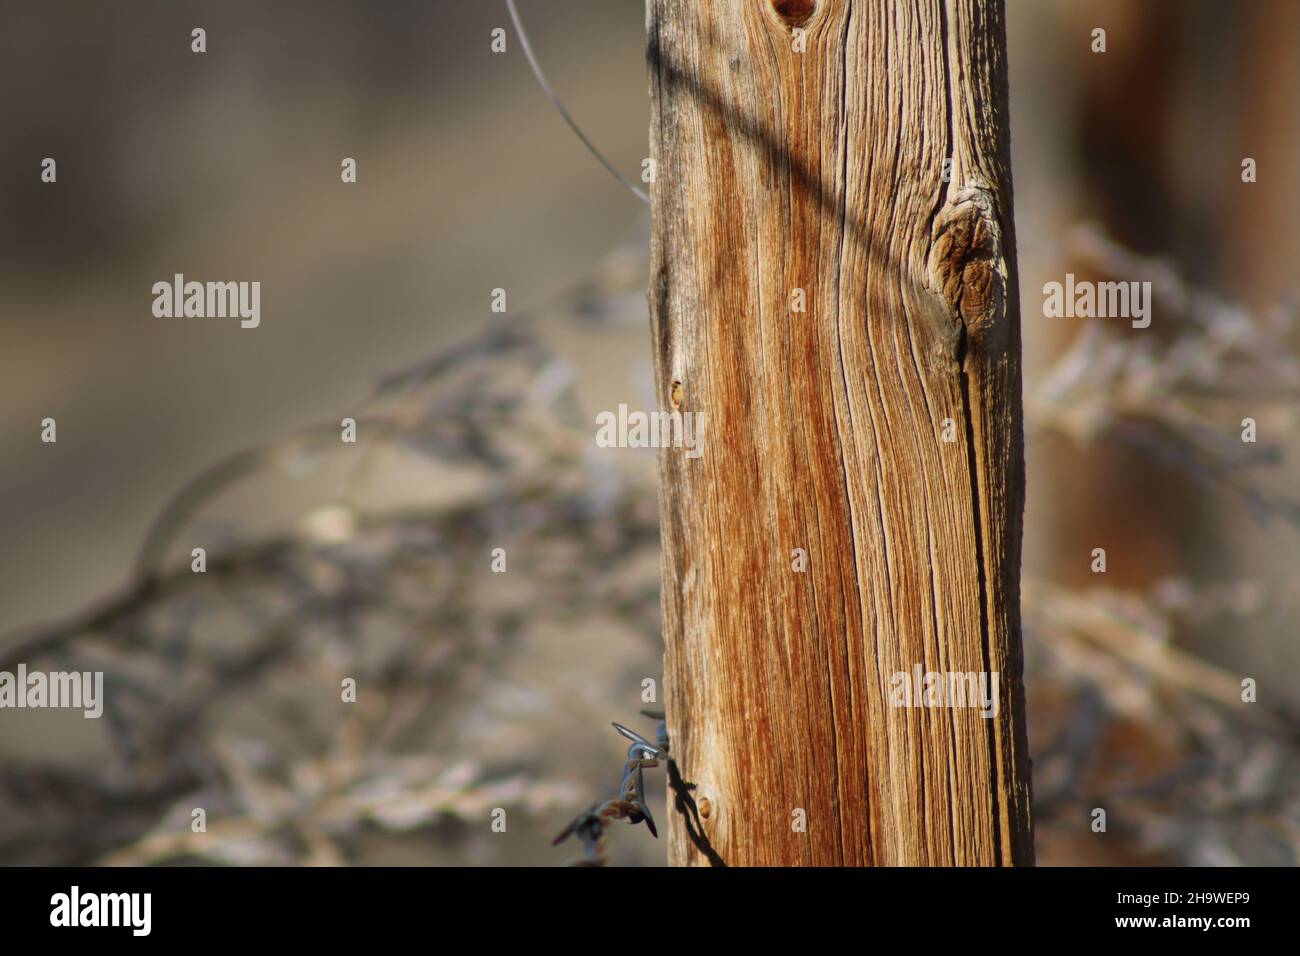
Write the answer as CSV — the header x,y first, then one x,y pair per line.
x,y
479,690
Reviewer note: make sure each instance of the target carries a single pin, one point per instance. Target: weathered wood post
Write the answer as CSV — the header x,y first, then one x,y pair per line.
x,y
833,287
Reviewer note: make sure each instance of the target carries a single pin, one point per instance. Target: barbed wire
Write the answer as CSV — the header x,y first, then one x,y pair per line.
x,y
559,105
591,825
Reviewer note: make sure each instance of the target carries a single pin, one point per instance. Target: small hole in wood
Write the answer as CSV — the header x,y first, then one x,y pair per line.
x,y
676,394
706,808
795,13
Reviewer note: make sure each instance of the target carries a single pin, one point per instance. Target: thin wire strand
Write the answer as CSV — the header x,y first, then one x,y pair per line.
x,y
546,88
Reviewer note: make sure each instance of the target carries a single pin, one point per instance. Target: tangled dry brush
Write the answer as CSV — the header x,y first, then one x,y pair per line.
x,y
478,691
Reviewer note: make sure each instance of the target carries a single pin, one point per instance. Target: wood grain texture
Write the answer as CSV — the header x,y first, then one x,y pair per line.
x,y
824,171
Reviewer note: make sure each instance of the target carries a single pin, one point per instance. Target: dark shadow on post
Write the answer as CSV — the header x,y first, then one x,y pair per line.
x,y
685,805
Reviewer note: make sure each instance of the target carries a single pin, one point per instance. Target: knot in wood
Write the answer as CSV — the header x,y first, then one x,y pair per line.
x,y
966,263
794,13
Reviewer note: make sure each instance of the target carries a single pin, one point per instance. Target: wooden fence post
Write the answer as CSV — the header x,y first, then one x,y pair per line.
x,y
833,288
